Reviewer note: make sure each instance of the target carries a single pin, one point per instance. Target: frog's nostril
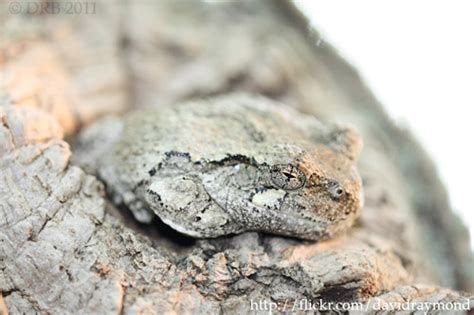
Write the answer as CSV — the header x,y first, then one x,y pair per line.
x,y
335,190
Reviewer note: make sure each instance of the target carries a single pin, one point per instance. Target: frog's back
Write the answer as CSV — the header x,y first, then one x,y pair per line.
x,y
208,131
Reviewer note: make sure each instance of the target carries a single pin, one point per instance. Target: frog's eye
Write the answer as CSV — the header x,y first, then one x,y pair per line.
x,y
287,176
335,190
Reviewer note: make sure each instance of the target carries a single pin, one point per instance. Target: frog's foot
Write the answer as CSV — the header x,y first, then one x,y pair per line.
x,y
137,207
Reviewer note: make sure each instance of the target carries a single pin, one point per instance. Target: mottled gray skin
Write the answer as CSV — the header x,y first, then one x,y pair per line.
x,y
227,165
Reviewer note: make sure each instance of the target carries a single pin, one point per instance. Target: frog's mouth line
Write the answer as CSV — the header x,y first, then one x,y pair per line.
x,y
181,228
312,229
291,225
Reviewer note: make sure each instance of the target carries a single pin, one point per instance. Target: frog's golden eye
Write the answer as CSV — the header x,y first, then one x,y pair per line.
x,y
287,177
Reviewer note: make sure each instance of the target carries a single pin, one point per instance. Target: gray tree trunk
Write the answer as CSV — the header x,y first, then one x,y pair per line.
x,y
64,248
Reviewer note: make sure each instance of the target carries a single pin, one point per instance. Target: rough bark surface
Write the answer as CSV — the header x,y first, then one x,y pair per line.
x,y
68,65
65,249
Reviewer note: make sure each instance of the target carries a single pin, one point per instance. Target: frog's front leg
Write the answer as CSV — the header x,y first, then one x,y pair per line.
x,y
182,202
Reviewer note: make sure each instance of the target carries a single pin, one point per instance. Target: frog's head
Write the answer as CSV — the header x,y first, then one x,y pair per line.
x,y
310,193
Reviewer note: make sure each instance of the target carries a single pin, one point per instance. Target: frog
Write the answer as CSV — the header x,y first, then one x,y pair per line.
x,y
225,165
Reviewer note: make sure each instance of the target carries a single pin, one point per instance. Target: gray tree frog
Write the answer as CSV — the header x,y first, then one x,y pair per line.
x,y
226,165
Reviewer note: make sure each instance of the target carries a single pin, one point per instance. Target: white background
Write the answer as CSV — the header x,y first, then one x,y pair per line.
x,y
418,59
